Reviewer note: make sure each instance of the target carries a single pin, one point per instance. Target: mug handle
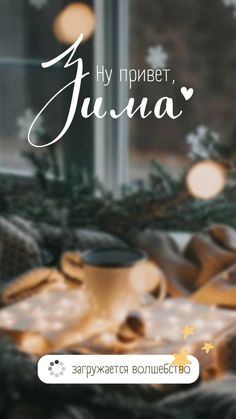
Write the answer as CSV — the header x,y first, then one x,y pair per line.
x,y
72,266
161,286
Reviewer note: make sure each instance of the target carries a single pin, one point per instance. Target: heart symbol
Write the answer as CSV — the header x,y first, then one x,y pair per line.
x,y
187,93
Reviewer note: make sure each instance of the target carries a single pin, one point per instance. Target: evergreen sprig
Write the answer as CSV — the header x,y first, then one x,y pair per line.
x,y
163,201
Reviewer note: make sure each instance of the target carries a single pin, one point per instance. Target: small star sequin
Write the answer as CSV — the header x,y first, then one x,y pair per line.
x,y
188,331
207,347
181,358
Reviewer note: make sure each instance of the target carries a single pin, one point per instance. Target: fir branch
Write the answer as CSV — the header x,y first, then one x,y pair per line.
x,y
81,201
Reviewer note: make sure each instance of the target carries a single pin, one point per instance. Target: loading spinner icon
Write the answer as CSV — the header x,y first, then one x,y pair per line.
x,y
57,368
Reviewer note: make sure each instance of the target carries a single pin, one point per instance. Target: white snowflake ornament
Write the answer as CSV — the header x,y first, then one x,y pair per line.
x,y
157,57
38,4
197,141
24,122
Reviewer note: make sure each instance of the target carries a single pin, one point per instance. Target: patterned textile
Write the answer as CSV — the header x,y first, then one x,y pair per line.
x,y
19,250
24,246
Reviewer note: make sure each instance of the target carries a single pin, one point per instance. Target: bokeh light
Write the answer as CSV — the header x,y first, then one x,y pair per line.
x,y
74,19
206,180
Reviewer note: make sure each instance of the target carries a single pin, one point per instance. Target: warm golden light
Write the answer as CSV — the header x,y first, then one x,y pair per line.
x,y
74,19
206,179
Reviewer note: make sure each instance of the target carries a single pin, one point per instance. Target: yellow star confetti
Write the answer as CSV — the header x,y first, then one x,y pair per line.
x,y
188,331
181,358
207,347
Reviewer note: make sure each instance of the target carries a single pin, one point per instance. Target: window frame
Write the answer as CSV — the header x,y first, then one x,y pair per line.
x,y
103,149
111,49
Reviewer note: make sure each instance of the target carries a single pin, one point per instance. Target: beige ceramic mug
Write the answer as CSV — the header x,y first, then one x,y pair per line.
x,y
114,282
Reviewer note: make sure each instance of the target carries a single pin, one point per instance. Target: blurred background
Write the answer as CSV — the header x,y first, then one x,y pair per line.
x,y
195,40
43,227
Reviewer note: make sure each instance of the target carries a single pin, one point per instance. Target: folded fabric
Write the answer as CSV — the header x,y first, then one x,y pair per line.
x,y
25,245
207,254
19,251
214,400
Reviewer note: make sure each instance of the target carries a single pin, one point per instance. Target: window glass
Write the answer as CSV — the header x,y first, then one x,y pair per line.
x,y
27,39
197,41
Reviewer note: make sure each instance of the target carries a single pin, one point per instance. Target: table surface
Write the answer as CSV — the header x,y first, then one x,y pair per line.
x,y
52,314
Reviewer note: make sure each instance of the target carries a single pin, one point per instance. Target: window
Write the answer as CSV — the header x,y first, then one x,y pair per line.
x,y
196,40
27,40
